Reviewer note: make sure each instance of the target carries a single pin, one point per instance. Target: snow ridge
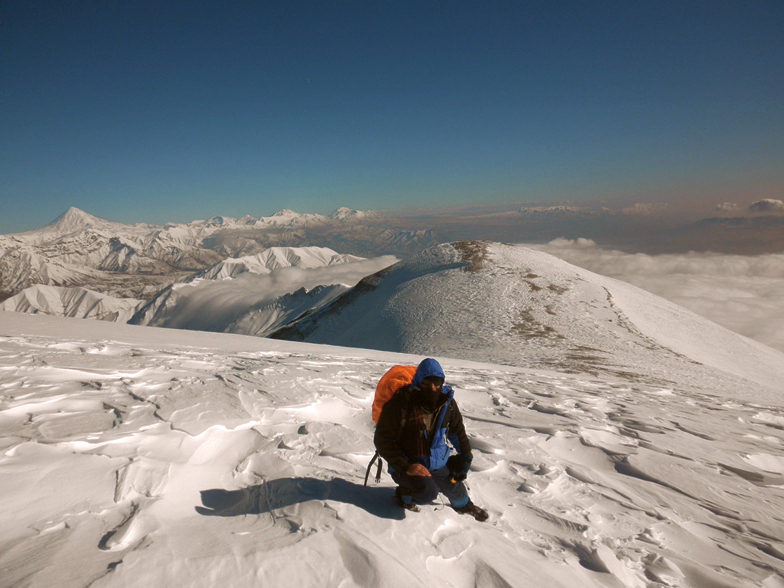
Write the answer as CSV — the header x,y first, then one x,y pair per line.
x,y
274,258
513,305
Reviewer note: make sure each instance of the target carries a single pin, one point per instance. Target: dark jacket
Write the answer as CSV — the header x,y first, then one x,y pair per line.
x,y
412,442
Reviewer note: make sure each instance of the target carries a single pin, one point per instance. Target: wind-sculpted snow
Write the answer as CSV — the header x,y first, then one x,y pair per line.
x,y
146,457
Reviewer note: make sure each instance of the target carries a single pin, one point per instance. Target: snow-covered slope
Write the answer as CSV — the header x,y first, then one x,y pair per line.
x,y
81,239
510,304
266,317
22,266
145,457
71,302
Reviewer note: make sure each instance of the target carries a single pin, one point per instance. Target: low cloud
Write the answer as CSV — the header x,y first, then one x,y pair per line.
x,y
767,205
727,207
645,209
211,305
740,292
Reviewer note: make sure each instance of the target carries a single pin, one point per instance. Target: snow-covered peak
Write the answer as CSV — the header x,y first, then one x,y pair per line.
x,y
344,213
289,218
74,222
74,219
82,241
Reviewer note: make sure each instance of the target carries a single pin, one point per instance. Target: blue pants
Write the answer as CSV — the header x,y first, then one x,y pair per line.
x,y
424,490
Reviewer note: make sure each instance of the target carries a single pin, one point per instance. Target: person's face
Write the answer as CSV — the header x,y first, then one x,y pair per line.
x,y
431,389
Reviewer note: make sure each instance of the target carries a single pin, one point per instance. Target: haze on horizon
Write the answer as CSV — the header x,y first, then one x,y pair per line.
x,y
146,113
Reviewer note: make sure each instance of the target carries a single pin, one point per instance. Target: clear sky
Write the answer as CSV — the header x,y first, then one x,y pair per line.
x,y
149,111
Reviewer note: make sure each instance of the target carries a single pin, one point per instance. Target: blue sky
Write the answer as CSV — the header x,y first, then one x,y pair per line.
x,y
171,111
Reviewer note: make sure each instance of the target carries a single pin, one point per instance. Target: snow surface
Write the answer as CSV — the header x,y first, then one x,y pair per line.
x,y
135,456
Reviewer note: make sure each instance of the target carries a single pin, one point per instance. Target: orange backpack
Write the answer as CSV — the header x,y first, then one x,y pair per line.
x,y
395,378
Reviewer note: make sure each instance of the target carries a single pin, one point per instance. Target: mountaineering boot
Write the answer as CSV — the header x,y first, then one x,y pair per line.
x,y
404,500
478,513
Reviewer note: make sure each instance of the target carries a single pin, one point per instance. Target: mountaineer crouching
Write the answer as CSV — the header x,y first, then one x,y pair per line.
x,y
414,433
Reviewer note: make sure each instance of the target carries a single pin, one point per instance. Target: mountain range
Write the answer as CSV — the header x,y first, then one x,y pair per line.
x,y
136,261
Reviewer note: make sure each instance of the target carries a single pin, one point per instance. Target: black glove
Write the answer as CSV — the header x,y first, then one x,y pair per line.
x,y
458,466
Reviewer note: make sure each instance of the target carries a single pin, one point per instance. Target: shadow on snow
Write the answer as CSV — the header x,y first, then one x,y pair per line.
x,y
275,494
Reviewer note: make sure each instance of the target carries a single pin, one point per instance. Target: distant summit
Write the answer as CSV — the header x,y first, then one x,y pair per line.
x,y
74,220
290,218
351,214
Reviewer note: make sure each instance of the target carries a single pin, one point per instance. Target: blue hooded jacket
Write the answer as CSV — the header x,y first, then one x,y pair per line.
x,y
439,450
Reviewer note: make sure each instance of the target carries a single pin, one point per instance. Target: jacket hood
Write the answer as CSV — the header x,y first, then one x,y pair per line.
x,y
427,368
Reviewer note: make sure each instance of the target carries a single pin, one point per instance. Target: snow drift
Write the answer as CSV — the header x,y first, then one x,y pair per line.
x,y
154,457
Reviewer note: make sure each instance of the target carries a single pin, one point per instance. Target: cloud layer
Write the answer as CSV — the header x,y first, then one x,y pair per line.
x,y
767,205
740,292
211,305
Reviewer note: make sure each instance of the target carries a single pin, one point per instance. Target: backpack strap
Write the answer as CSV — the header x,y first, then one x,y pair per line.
x,y
406,392
376,455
